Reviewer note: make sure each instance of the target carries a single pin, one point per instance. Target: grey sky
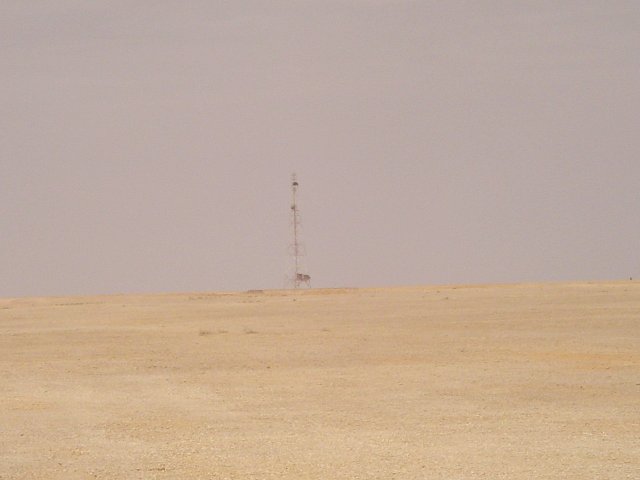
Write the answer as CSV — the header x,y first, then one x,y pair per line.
x,y
147,146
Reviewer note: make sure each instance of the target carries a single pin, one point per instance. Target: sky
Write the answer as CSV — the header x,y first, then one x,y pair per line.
x,y
147,146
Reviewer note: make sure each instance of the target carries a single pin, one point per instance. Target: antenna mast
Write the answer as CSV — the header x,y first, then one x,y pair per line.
x,y
297,248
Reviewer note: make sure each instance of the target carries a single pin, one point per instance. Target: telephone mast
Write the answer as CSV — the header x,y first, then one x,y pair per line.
x,y
297,247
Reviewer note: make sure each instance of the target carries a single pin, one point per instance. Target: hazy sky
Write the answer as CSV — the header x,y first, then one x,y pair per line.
x,y
147,146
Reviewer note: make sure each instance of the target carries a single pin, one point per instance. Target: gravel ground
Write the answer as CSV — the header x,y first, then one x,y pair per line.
x,y
454,382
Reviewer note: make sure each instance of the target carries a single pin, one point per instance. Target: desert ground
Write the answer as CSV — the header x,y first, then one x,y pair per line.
x,y
532,381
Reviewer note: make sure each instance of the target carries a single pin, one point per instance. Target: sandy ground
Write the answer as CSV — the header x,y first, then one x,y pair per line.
x,y
497,382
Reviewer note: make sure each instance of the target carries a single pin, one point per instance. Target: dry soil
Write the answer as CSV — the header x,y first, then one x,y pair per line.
x,y
538,381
